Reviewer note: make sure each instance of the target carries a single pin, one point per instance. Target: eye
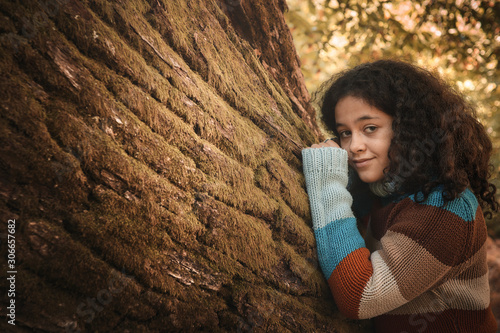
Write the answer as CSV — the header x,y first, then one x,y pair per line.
x,y
370,129
344,134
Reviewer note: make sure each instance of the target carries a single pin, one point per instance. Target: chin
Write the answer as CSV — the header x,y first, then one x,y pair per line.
x,y
370,178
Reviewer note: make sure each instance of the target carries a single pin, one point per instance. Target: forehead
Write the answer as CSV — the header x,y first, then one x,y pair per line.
x,y
351,110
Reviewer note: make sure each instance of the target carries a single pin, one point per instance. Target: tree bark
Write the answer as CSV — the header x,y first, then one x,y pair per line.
x,y
150,162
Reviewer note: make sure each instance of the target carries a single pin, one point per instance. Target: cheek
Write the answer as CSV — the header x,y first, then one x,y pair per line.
x,y
346,144
343,142
383,153
385,146
386,160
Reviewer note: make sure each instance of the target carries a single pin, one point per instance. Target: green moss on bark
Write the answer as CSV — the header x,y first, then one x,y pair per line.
x,y
151,154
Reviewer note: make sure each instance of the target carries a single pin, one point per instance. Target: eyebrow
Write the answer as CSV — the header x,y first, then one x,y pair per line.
x,y
359,119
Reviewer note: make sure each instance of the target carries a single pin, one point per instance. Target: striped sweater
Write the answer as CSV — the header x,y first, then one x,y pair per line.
x,y
421,267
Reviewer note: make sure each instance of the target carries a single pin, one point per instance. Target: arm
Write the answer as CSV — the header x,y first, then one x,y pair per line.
x,y
337,238
334,224
411,259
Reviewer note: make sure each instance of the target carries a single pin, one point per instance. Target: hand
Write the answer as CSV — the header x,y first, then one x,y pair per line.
x,y
327,143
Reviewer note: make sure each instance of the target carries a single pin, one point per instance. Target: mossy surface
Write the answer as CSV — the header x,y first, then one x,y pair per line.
x,y
150,154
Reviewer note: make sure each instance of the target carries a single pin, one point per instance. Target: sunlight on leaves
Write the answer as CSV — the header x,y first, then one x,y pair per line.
x,y
459,39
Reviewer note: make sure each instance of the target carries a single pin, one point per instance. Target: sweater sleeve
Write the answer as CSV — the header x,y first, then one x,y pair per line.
x,y
366,285
334,224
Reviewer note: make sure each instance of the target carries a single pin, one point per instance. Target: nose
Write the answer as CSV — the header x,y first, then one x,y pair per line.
x,y
357,143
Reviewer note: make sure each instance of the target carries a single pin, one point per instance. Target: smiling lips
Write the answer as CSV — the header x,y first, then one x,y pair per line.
x,y
362,162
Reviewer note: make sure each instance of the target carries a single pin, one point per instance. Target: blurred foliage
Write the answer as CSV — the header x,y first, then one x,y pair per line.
x,y
459,39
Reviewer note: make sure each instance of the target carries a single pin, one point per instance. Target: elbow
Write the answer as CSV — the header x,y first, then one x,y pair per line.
x,y
353,309
351,313
348,307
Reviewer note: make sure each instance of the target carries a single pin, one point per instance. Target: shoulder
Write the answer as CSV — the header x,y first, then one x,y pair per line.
x,y
465,206
450,231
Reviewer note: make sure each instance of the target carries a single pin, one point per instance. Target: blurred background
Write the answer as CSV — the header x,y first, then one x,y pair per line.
x,y
459,39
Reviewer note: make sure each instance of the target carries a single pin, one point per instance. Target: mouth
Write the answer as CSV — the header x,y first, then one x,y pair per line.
x,y
362,162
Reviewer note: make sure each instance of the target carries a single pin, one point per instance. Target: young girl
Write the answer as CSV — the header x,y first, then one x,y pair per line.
x,y
413,166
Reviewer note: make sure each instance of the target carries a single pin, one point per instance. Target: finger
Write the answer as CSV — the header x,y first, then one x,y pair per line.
x,y
334,139
330,143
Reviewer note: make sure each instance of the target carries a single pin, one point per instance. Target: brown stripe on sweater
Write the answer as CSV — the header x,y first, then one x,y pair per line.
x,y
476,266
454,294
414,268
444,234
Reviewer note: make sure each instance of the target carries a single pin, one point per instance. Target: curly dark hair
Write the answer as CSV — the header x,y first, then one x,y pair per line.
x,y
437,139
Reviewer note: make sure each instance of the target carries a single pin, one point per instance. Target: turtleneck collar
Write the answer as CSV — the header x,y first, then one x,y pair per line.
x,y
381,189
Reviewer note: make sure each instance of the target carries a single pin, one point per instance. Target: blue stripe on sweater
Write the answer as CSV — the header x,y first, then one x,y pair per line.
x,y
335,241
465,206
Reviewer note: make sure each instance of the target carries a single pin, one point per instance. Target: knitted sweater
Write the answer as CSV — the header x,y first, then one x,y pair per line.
x,y
424,268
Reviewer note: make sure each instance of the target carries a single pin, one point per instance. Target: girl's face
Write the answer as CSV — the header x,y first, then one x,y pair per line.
x,y
366,133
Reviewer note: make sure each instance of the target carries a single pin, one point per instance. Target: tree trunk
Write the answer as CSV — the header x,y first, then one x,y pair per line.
x,y
150,162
